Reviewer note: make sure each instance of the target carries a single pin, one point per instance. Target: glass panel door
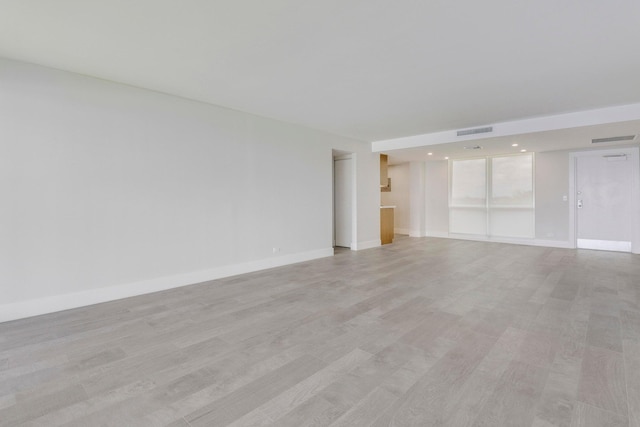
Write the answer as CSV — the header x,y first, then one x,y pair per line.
x,y
468,203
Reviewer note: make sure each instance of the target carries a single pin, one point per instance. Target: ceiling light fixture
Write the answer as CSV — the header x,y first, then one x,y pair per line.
x,y
429,154
523,151
446,158
514,145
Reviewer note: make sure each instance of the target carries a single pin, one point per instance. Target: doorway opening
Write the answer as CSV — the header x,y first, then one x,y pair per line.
x,y
344,200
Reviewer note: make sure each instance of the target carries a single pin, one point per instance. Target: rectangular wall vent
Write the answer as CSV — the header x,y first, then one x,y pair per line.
x,y
613,139
475,131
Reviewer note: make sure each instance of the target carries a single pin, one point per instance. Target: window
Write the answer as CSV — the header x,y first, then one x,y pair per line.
x,y
511,210
493,196
468,205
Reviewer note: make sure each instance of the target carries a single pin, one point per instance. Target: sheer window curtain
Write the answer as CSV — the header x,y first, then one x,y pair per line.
x,y
493,196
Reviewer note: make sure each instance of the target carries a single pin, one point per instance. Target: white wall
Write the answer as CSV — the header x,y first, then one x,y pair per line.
x,y
437,198
398,197
552,184
110,191
368,195
417,194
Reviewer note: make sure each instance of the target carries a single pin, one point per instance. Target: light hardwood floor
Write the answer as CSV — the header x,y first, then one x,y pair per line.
x,y
424,332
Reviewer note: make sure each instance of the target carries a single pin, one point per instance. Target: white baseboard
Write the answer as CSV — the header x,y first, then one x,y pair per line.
x,y
359,246
554,244
405,231
442,234
604,245
515,241
35,307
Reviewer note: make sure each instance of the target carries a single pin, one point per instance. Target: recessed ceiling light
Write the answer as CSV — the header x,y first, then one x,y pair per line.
x,y
446,158
514,145
523,151
429,154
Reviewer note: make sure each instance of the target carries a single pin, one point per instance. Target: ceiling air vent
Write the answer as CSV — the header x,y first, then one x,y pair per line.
x,y
613,139
475,131
473,147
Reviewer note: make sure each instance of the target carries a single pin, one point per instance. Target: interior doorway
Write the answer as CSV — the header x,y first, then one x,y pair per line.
x,y
605,199
343,199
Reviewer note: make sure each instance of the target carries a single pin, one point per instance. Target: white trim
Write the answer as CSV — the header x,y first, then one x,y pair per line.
x,y
514,241
354,199
598,116
604,245
35,307
402,231
553,244
635,207
351,157
572,199
359,246
442,234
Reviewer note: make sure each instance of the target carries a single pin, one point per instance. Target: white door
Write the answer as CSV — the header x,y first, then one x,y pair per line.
x,y
343,200
604,200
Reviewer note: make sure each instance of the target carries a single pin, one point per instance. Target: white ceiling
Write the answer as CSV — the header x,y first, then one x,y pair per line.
x,y
370,69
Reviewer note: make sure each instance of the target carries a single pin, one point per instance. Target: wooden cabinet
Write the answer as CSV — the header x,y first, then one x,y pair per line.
x,y
383,170
386,225
385,181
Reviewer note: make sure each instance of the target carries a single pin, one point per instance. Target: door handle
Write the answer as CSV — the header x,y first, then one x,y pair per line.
x,y
579,203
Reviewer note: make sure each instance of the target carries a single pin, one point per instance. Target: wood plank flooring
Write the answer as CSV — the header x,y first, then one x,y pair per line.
x,y
423,332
